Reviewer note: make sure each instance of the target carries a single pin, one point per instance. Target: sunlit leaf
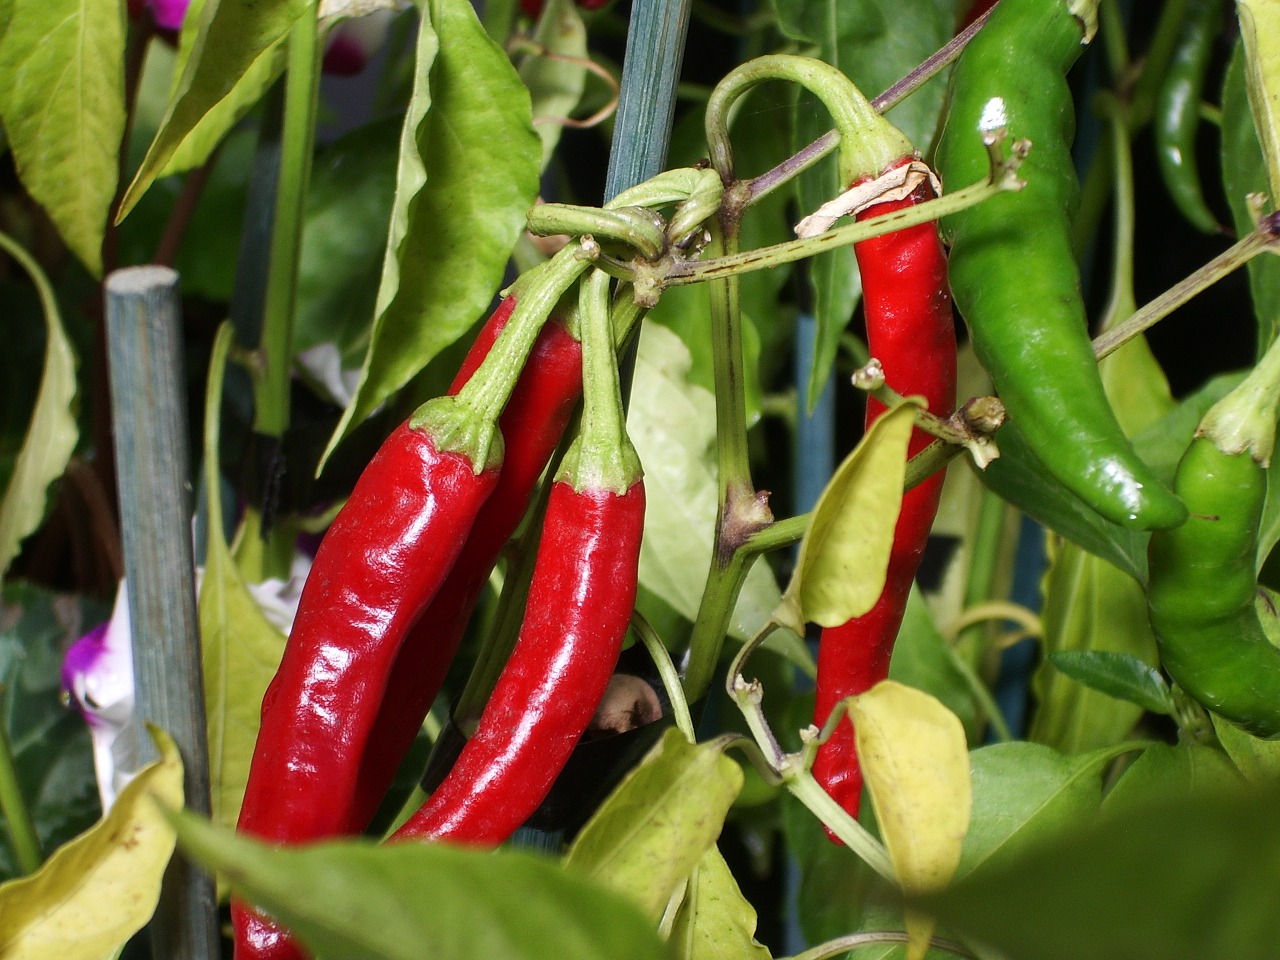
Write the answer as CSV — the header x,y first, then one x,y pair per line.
x,y
654,828
240,648
98,890
672,424
845,551
715,921
356,900
914,757
233,35
52,434
62,103
468,174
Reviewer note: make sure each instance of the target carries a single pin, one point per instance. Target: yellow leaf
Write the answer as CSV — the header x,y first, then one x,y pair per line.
x,y
99,889
916,764
1260,30
845,552
241,650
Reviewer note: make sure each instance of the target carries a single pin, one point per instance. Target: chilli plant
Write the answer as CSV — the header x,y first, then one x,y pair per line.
x,y
667,479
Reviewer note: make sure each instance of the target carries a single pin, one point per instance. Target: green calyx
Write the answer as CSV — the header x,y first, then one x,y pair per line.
x,y
1245,419
456,426
602,457
536,295
868,142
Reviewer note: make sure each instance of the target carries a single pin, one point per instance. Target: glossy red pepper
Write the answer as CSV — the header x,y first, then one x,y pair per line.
x,y
383,559
381,563
910,330
532,424
580,602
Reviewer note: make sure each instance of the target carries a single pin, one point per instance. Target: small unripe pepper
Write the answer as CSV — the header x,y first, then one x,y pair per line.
x,y
1203,582
580,602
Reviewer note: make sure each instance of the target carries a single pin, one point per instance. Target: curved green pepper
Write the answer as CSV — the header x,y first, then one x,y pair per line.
x,y
1012,272
1203,583
1178,113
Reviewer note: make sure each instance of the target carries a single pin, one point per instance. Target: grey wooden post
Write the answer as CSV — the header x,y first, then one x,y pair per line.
x,y
647,99
149,412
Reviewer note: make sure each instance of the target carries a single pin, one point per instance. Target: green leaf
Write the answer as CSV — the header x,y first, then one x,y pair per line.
x,y
1167,771
53,754
845,552
1091,606
672,424
1018,477
556,82
468,174
52,434
344,238
1170,879
210,130
1120,675
1257,760
1024,792
62,104
653,829
715,921
240,649
232,36
97,891
1244,172
355,900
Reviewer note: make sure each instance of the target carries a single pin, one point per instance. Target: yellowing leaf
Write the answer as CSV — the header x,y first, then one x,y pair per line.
x,y
916,763
1260,30
62,106
845,552
51,437
97,891
715,921
240,648
654,828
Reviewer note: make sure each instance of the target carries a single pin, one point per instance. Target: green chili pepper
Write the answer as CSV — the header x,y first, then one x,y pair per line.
x,y
1177,117
1012,272
1203,581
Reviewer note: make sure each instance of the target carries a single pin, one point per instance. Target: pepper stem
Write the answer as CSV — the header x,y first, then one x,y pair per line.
x,y
467,422
1245,419
868,142
602,457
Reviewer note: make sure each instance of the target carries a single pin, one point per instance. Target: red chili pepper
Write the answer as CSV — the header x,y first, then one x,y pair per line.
x,y
911,332
579,606
385,556
532,424
381,563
